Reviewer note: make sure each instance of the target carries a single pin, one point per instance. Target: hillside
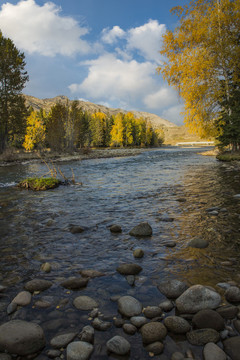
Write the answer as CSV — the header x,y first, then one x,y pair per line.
x,y
46,104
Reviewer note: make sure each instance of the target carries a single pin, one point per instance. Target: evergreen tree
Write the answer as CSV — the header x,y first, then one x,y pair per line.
x,y
12,81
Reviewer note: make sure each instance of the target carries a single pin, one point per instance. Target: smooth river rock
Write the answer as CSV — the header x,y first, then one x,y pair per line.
x,y
63,340
203,336
129,269
129,306
79,350
177,325
138,253
87,334
197,298
118,345
208,319
21,337
23,298
37,285
85,303
152,332
138,321
75,283
172,288
116,228
142,229
232,294
91,273
232,347
213,352
228,311
152,311
198,243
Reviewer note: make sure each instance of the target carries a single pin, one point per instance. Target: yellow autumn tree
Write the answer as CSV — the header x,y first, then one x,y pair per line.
x,y
118,130
36,130
202,57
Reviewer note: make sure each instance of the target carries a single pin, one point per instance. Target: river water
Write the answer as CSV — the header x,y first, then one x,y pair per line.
x,y
170,188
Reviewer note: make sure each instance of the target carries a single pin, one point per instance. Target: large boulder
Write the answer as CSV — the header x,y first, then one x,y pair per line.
x,y
21,337
197,298
142,229
129,306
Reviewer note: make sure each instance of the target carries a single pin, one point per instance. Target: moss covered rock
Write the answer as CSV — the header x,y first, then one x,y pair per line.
x,y
38,184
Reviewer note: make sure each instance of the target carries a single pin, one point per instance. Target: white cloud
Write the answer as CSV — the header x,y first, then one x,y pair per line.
x,y
173,114
146,39
110,78
110,36
160,99
42,29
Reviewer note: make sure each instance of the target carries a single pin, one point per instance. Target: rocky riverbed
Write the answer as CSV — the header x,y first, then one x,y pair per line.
x,y
189,322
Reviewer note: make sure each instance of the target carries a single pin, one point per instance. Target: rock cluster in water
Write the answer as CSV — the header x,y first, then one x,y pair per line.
x,y
195,313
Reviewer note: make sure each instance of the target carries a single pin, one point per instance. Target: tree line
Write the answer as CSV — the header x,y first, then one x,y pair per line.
x,y
67,127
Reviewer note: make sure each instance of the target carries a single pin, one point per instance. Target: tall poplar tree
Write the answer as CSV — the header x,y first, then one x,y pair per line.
x,y
12,80
202,60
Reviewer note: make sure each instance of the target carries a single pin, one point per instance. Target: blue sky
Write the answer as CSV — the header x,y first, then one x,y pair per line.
x,y
103,51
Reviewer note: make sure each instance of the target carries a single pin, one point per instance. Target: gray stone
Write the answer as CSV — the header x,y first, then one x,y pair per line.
x,y
197,298
129,306
138,253
42,304
213,352
156,348
101,325
75,283
166,305
116,229
129,269
232,347
87,334
138,321
85,303
76,229
129,329
79,350
224,286
130,279
21,337
23,298
233,294
198,243
208,319
118,345
170,244
203,336
228,311
143,229
177,325
91,273
61,341
152,332
11,308
118,322
152,311
52,353
46,267
37,285
172,288
177,356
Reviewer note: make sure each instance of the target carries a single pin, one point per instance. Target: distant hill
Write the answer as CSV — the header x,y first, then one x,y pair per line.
x,y
46,104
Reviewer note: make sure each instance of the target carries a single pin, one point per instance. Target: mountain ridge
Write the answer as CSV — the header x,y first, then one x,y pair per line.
x,y
47,103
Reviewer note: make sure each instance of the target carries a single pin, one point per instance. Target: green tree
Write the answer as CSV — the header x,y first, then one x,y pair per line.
x,y
55,127
12,81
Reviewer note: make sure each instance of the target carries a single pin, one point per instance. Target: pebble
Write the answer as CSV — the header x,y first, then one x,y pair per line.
x,y
61,341
138,321
166,305
53,353
177,356
87,334
152,332
11,308
46,267
130,279
142,229
129,306
198,243
203,336
91,273
79,350
101,325
129,269
172,288
177,325
75,283
85,303
170,244
152,311
233,294
228,311
23,298
156,348
37,285
213,352
116,229
129,329
138,253
232,347
118,322
208,319
118,345
76,229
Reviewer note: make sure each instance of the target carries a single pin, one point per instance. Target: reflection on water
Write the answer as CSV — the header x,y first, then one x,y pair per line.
x,y
173,189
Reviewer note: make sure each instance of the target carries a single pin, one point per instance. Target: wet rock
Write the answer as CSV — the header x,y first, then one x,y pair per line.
x,y
166,305
197,298
116,229
52,354
76,229
85,303
11,308
101,325
37,285
129,269
75,283
63,340
138,321
203,336
129,329
46,267
130,279
213,352
233,294
152,311
172,288
143,229
138,253
94,313
227,311
170,244
129,306
224,286
118,322
198,243
232,347
42,304
177,356
152,332
208,319
79,350
177,325
118,345
23,298
87,334
91,273
156,348
21,337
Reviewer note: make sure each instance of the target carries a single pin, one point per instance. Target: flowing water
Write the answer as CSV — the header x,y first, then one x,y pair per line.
x,y
172,189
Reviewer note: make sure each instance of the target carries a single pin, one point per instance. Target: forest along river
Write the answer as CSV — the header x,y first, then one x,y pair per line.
x,y
180,193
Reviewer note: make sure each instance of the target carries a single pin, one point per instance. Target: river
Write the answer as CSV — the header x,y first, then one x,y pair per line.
x,y
173,189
